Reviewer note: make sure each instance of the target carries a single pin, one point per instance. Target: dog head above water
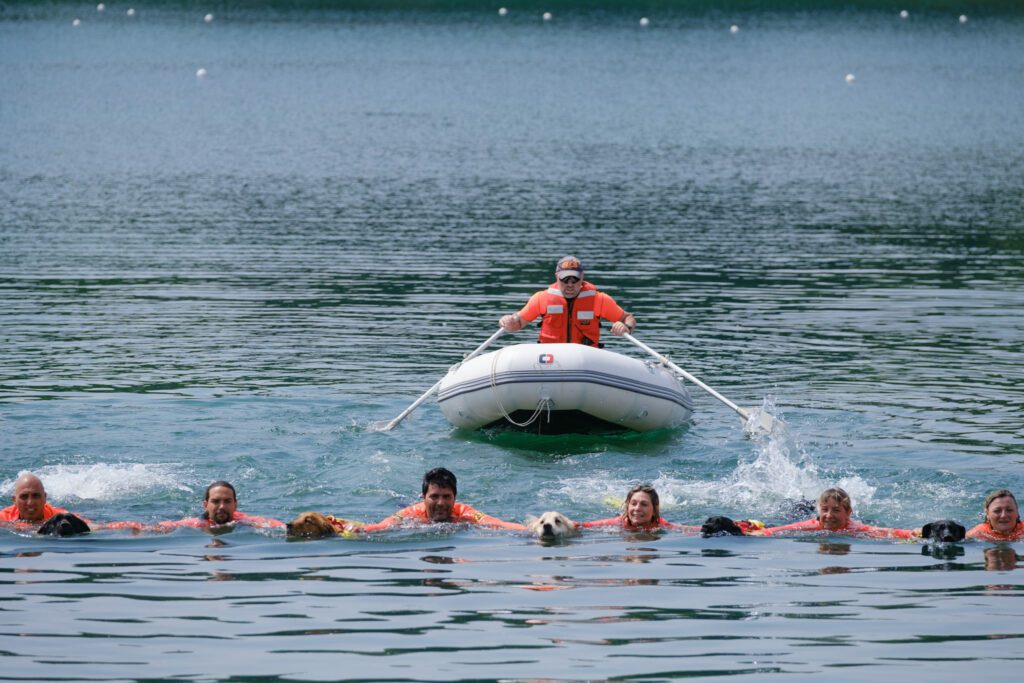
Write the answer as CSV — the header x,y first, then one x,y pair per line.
x,y
551,525
64,524
944,531
720,526
311,525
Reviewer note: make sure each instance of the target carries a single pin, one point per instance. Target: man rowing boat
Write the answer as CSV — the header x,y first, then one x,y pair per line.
x,y
571,309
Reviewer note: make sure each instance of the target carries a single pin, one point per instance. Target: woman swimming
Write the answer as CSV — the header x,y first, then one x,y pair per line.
x,y
641,512
835,514
1002,519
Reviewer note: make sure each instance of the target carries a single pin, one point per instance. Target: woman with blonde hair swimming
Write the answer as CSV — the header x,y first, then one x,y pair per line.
x,y
835,515
1002,519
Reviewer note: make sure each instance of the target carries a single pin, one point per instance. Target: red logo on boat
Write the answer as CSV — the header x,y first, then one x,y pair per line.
x,y
546,358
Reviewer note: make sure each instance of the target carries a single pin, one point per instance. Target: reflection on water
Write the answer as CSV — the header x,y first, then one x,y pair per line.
x,y
231,277
1001,558
944,551
834,548
367,611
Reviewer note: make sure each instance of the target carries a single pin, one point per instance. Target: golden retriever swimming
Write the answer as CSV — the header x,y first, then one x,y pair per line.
x,y
551,525
317,525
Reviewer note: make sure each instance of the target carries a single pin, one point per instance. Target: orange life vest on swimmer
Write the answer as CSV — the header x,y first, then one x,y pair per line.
x,y
10,513
853,527
203,522
985,532
623,522
576,320
461,512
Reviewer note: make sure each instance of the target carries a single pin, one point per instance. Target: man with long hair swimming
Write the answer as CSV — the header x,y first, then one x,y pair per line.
x,y
220,509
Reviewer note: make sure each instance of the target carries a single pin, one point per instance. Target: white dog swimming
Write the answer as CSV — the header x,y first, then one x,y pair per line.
x,y
551,525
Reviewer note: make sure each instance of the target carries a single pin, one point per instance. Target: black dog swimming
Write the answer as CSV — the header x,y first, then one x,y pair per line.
x,y
64,524
944,531
720,526
791,510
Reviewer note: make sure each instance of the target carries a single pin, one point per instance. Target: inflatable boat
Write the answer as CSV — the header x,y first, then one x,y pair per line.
x,y
559,388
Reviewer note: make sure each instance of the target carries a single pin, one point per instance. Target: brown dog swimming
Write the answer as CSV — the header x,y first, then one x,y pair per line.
x,y
319,525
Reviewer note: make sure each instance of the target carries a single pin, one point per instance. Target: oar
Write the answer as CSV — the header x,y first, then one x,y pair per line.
x,y
416,404
764,421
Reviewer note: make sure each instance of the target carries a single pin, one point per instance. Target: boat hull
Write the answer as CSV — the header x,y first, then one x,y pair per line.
x,y
557,384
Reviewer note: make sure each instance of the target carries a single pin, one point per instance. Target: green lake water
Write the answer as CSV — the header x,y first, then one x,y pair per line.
x,y
236,275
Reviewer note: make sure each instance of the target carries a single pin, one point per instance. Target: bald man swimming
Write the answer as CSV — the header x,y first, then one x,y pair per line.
x,y
29,502
30,508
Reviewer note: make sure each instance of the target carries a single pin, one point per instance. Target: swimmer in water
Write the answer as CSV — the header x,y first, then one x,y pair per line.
x,y
835,515
220,509
640,512
439,506
1002,519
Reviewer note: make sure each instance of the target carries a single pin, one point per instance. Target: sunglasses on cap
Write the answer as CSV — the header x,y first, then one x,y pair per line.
x,y
569,280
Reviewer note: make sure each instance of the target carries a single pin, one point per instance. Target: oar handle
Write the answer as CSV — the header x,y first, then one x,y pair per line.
x,y
665,361
416,404
480,349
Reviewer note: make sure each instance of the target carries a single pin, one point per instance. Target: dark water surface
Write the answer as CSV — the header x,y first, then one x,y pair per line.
x,y
236,275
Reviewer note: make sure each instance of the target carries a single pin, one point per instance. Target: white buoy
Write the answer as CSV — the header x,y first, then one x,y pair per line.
x,y
200,72
644,21
100,7
502,11
963,18
850,78
904,14
208,18
546,16
130,12
734,29
76,22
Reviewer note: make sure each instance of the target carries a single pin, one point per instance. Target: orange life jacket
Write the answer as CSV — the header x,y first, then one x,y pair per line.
x,y
623,521
853,528
10,513
985,532
202,522
577,320
461,513
134,526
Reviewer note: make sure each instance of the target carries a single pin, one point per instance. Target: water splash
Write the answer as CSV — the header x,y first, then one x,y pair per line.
x,y
780,471
104,481
779,474
763,421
